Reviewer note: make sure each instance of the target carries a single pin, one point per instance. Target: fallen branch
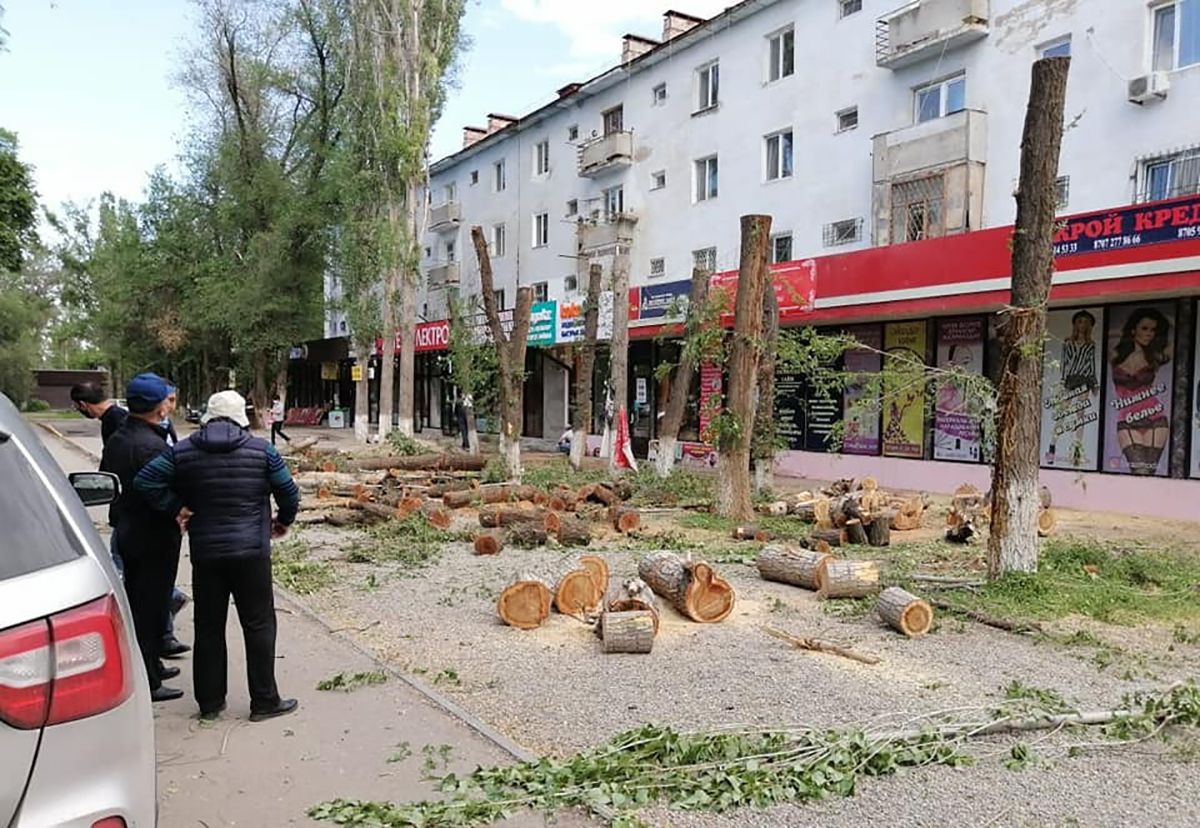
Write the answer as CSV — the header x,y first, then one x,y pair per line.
x,y
1005,624
816,645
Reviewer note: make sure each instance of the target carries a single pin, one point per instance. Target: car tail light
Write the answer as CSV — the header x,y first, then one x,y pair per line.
x,y
72,665
110,822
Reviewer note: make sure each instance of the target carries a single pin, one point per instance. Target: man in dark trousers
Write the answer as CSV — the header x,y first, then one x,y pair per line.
x,y
149,540
218,484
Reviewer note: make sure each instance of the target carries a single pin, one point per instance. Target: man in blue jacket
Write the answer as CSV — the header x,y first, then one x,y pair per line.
x,y
218,485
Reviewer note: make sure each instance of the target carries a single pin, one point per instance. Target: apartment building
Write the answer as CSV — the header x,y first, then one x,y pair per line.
x,y
884,141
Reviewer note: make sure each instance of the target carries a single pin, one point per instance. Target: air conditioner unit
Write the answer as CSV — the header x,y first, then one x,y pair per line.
x,y
1149,87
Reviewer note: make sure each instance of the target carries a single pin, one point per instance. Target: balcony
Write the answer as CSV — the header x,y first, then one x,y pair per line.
x,y
608,231
957,138
605,154
925,29
445,217
444,275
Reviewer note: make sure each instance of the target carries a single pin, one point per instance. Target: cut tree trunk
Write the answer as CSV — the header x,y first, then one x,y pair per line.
x,y
832,537
437,516
848,579
575,591
777,509
626,519
856,534
585,363
904,611
597,568
879,530
632,594
424,462
1016,494
788,565
733,446
619,347
692,587
748,533
488,543
1047,523
599,493
526,535
683,375
628,632
763,440
493,516
574,532
525,603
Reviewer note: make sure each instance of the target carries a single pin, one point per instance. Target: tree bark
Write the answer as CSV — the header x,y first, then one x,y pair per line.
x,y
733,443
788,565
1012,543
415,207
692,587
628,632
764,413
848,579
387,354
683,376
619,352
585,364
362,397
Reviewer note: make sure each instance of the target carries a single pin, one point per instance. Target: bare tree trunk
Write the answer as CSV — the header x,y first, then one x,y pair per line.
x,y
510,355
472,431
764,415
685,373
259,394
619,351
387,355
408,354
1013,541
362,397
584,365
733,442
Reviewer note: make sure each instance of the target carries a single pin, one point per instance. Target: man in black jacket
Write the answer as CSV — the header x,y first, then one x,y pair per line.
x,y
149,540
218,484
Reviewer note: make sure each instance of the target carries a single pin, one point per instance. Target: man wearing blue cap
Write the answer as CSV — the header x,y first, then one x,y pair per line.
x,y
149,540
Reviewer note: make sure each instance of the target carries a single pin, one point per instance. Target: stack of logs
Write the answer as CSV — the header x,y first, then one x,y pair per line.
x,y
526,516
625,612
848,512
969,508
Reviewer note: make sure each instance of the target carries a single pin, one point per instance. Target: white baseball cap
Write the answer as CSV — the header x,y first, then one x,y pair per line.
x,y
228,404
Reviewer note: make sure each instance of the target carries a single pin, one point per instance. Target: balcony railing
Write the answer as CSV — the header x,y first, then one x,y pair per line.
x,y
606,153
443,275
925,29
445,216
608,230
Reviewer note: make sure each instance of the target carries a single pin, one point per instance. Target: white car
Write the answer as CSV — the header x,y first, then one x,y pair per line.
x,y
76,731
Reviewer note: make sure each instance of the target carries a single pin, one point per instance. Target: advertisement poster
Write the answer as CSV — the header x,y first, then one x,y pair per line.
x,y
1131,227
789,410
956,434
711,388
572,320
1196,405
861,415
823,413
1137,396
904,394
1071,389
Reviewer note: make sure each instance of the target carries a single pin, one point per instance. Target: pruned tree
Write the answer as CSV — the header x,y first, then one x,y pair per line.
x,y
585,363
510,355
764,443
618,353
698,329
1012,543
472,363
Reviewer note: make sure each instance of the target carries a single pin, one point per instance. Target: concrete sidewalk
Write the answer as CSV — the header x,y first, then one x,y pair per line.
x,y
234,773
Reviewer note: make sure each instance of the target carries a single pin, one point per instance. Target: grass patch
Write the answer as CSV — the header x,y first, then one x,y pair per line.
x,y
293,570
558,472
683,488
345,682
412,544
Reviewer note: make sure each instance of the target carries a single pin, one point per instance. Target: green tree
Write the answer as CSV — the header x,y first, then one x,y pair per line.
x,y
18,205
22,312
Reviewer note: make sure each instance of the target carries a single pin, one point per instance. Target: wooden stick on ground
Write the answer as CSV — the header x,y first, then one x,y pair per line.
x,y
1005,624
819,646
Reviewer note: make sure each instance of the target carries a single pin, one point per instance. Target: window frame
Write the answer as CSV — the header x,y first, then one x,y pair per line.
x,y
541,157
607,195
840,114
474,177
708,93
832,238
572,207
704,177
541,230
654,180
499,240
658,94
1168,162
662,267
544,289
1051,45
450,192
498,294
608,120
450,249
943,89
779,237
844,4
710,254
499,176
572,133
777,63
785,168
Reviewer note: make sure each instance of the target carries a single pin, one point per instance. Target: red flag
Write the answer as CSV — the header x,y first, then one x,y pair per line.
x,y
622,449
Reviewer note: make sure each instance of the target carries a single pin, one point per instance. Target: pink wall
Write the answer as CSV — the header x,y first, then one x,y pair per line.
x,y
1146,496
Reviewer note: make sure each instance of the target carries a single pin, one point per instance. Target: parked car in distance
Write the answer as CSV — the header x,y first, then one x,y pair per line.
x,y
194,415
76,730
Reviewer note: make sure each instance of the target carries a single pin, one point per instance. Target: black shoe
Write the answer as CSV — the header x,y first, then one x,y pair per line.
x,y
179,600
172,647
213,714
165,672
163,693
284,707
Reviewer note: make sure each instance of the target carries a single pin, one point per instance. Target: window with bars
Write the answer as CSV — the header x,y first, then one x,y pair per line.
x,y
846,231
658,268
614,120
781,248
849,7
1171,175
918,209
1062,191
705,259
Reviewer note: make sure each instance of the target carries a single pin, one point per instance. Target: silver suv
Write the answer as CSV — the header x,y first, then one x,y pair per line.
x,y
76,731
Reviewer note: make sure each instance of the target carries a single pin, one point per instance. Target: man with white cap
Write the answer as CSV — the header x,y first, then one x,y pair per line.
x,y
218,483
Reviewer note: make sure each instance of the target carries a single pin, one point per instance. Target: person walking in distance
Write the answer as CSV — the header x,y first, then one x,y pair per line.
x,y
218,484
149,541
277,416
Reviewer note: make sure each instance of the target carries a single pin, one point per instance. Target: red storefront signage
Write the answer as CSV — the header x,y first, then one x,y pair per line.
x,y
431,336
1135,226
795,285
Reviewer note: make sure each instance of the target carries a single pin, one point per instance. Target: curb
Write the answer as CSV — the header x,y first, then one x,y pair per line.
x,y
47,427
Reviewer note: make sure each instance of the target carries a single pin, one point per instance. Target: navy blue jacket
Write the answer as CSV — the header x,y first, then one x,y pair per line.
x,y
226,477
138,527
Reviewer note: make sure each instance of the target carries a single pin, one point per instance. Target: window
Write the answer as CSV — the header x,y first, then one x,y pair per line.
x,y
499,294
573,207
658,95
781,55
658,268
1059,47
541,229
500,181
779,155
917,209
541,291
450,191
614,202
846,231
474,177
573,132
708,82
1176,33
705,259
781,248
570,283
428,252
450,251
1171,176
847,119
658,180
37,535
1062,191
541,158
499,240
614,120
849,7
940,99
706,178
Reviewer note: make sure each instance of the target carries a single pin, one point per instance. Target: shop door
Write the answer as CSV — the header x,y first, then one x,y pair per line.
x,y
532,424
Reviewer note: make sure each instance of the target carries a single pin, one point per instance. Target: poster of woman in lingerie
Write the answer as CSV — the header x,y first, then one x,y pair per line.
x,y
1138,393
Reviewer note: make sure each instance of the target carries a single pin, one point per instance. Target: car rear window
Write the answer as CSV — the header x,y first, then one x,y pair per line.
x,y
34,534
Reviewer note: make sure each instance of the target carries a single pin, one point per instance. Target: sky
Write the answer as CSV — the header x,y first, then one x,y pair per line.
x,y
89,85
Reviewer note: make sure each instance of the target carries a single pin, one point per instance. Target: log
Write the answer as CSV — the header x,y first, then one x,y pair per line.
x,y
845,509
584,492
879,530
855,533
822,514
848,579
1047,522
562,500
789,565
1047,500
551,522
692,587
819,646
304,444
488,543
376,509
868,484
574,532
831,536
904,611
307,481
597,568
623,489
525,602
575,592
526,535
408,505
628,632
805,510
777,509
748,533
626,519
443,489
343,518
960,527
437,516
460,499
425,462
494,516
632,594
602,494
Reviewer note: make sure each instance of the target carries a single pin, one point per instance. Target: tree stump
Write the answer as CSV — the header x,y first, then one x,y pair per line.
x,y
855,533
575,591
748,533
830,536
626,519
525,603
597,567
488,543
692,587
848,579
632,594
526,535
574,532
628,632
788,565
879,530
904,611
1047,523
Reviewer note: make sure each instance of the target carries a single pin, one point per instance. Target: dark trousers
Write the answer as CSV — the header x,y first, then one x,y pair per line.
x,y
277,428
149,577
248,581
